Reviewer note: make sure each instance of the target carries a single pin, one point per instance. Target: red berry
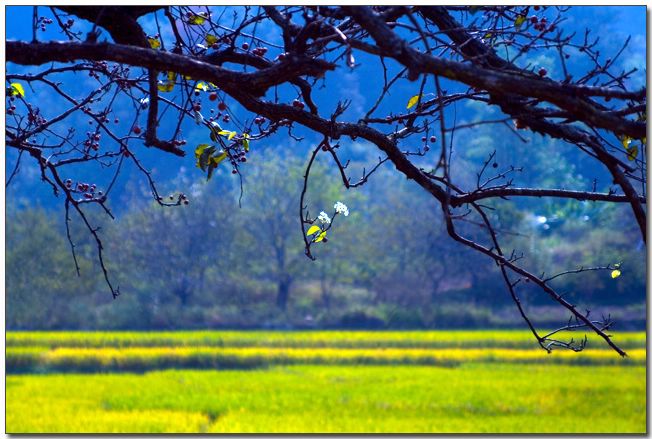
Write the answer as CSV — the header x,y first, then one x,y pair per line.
x,y
433,139
534,20
137,130
221,106
212,96
542,72
245,46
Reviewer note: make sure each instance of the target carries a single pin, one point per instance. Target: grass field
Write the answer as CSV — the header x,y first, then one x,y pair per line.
x,y
454,381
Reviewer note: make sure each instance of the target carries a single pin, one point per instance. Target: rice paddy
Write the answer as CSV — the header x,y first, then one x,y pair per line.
x,y
346,382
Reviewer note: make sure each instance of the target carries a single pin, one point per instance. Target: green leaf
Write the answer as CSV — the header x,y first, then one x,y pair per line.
x,y
211,39
232,135
201,87
413,101
245,143
17,89
312,230
519,21
615,274
632,153
154,43
321,236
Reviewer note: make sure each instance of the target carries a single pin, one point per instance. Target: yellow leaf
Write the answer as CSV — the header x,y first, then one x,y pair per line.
x,y
312,230
232,135
201,87
154,42
321,236
413,101
626,141
218,158
615,274
200,148
165,86
196,20
519,21
17,89
172,76
224,132
211,39
632,153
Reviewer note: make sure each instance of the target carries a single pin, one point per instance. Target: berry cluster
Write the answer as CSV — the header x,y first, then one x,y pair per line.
x,y
89,191
259,51
93,141
43,22
424,139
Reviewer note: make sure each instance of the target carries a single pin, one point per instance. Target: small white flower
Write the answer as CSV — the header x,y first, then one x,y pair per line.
x,y
324,218
341,208
144,102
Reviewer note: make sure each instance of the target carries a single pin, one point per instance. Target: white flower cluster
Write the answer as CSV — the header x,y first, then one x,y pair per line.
x,y
341,208
324,218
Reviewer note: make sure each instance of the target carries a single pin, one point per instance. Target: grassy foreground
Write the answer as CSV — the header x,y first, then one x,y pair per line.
x,y
378,382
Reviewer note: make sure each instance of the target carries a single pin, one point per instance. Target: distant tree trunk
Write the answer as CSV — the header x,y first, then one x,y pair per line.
x,y
283,291
325,293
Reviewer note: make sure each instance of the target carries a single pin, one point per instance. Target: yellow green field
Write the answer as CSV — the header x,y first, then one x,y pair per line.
x,y
435,381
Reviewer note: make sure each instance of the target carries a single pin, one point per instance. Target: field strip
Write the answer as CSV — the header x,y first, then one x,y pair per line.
x,y
23,360
509,339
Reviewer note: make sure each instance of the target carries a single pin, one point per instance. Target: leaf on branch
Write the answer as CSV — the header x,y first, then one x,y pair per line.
x,y
197,19
217,159
626,141
632,153
213,162
168,85
215,130
154,43
165,86
245,141
201,87
519,21
312,230
413,101
229,134
321,236
17,90
211,39
615,274
200,149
